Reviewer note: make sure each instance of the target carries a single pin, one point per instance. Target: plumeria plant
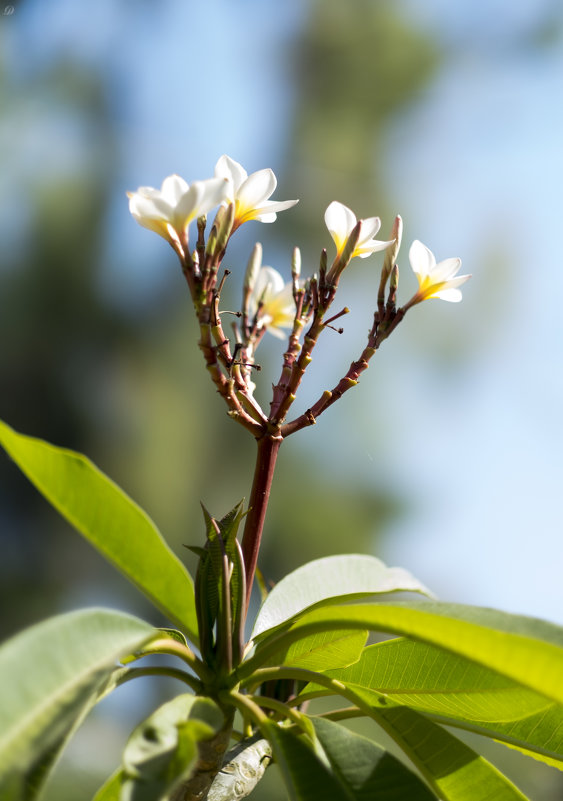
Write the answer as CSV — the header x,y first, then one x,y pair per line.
x,y
250,688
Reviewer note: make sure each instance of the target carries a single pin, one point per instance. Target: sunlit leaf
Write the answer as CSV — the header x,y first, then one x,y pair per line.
x,y
110,520
452,769
49,676
526,650
329,580
323,651
458,693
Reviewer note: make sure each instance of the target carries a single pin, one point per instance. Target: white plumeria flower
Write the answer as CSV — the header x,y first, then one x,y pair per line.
x,y
250,193
435,280
275,299
169,210
341,221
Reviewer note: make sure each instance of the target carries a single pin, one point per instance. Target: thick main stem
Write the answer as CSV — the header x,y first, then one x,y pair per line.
x,y
268,447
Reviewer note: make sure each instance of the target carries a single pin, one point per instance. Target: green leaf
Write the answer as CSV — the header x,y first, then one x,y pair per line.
x,y
110,520
329,580
524,649
328,649
458,693
49,676
365,769
163,750
305,776
452,769
111,789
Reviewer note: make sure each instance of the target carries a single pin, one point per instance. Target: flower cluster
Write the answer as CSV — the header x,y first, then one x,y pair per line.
x,y
269,303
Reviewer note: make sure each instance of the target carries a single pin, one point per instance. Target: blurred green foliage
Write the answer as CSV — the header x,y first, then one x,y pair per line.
x,y
131,391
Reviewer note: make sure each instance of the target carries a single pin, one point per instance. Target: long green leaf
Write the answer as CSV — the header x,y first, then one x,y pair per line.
x,y
110,520
332,579
452,769
365,769
458,693
526,650
49,675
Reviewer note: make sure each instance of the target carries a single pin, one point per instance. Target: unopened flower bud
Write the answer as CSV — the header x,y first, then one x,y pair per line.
x,y
253,267
342,261
393,250
211,242
393,286
224,226
296,263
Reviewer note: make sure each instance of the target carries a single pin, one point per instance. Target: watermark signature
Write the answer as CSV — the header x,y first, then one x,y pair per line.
x,y
8,11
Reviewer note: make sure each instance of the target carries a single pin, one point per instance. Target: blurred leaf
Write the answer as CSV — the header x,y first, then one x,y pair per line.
x,y
110,520
163,750
111,789
329,580
324,650
49,675
527,650
365,769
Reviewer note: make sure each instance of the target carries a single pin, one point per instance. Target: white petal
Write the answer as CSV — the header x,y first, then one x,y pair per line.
x,y
370,226
146,191
372,246
256,189
189,206
150,208
446,269
278,333
339,219
451,295
422,259
173,188
266,212
231,169
215,190
270,217
269,280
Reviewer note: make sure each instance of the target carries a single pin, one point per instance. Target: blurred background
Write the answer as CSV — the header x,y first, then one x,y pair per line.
x,y
447,458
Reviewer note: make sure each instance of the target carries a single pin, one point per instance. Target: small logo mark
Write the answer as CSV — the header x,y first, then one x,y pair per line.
x,y
8,11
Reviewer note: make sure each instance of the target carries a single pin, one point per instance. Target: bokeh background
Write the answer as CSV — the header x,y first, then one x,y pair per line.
x,y
447,458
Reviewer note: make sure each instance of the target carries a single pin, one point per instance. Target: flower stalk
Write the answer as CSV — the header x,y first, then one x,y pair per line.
x,y
269,304
266,457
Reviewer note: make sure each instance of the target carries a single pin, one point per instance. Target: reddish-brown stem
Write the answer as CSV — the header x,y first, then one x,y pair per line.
x,y
379,332
268,447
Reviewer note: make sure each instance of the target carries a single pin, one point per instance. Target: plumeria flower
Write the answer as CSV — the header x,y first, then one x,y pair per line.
x,y
274,300
435,280
341,221
250,193
169,210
